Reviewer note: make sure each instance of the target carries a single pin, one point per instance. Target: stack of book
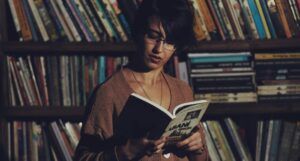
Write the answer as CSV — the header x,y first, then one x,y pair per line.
x,y
44,141
246,19
277,76
223,77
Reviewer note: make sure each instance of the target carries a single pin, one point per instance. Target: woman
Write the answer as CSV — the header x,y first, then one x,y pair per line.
x,y
161,28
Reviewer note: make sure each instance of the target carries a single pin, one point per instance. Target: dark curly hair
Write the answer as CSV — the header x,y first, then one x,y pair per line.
x,y
176,16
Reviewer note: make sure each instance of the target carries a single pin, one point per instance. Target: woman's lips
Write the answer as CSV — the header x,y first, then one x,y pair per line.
x,y
155,59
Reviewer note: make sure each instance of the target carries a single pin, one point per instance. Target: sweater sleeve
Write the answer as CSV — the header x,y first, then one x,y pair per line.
x,y
96,143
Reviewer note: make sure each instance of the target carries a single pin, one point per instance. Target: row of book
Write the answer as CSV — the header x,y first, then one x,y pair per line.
x,y
108,20
224,141
278,140
57,80
241,77
275,140
246,19
72,20
52,141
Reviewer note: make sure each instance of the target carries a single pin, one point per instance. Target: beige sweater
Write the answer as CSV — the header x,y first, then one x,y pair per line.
x,y
102,113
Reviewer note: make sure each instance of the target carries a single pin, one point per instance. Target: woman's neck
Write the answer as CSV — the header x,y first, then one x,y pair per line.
x,y
148,77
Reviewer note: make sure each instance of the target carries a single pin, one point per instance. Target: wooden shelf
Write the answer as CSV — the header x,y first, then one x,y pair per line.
x,y
248,45
214,111
117,49
43,113
59,48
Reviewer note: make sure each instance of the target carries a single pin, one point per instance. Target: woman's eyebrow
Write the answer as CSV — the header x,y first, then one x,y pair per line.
x,y
158,32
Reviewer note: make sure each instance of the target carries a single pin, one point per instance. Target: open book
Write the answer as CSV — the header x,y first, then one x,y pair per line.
x,y
143,117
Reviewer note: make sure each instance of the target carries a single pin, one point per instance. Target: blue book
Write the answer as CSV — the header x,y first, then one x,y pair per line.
x,y
257,19
231,58
102,69
268,18
275,140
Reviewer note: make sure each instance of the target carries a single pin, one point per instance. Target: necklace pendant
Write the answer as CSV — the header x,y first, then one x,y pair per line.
x,y
167,155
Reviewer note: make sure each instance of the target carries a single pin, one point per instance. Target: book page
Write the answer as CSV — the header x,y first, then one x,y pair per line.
x,y
186,120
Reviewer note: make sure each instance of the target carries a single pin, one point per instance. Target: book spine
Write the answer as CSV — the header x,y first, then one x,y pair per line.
x,y
237,13
286,140
87,20
257,19
199,28
95,21
61,33
104,20
233,20
226,20
61,20
268,18
216,20
46,19
292,22
30,20
119,13
263,19
39,21
15,16
287,30
79,21
15,80
114,19
25,28
207,17
68,20
249,19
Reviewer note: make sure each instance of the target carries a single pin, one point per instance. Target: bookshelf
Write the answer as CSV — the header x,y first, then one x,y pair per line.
x,y
117,49
289,110
32,113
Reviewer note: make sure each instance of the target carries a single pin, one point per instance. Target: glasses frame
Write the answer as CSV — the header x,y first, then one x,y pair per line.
x,y
166,46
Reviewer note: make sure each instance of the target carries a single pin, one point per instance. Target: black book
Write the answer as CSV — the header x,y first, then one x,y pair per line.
x,y
142,117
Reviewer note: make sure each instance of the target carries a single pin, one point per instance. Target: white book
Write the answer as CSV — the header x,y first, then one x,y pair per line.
x,y
14,15
40,102
68,20
15,80
62,21
38,20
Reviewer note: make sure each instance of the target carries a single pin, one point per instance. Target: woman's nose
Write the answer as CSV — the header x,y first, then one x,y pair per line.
x,y
158,48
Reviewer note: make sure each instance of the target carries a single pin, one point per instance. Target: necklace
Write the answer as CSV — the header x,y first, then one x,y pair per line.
x,y
144,91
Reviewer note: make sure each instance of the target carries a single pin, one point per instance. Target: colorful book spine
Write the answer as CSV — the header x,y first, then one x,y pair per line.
x,y
263,19
268,19
257,19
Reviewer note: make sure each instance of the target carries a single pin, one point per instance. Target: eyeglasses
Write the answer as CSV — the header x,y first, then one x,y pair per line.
x,y
154,37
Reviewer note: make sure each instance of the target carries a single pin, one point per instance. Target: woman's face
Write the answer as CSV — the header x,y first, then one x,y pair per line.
x,y
156,51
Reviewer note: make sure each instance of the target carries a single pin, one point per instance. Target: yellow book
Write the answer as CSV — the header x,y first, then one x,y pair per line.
x,y
277,56
263,19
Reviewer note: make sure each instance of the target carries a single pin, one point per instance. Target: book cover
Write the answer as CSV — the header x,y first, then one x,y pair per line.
x,y
142,117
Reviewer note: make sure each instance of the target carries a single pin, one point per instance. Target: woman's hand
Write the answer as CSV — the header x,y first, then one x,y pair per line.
x,y
135,148
194,143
